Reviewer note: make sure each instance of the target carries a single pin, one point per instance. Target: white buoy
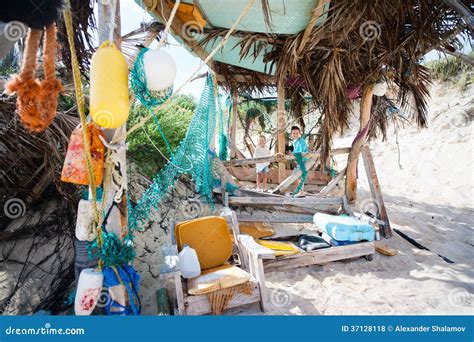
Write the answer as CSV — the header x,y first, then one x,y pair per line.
x,y
160,70
89,287
380,88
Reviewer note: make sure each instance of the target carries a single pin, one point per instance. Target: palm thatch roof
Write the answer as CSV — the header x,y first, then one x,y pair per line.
x,y
348,43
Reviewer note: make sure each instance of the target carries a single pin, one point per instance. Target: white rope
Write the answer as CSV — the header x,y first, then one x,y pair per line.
x,y
113,15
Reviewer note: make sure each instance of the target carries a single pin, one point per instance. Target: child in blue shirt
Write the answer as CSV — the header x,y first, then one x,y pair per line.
x,y
299,146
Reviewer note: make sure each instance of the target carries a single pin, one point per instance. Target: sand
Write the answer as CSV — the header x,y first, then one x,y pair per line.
x,y
430,198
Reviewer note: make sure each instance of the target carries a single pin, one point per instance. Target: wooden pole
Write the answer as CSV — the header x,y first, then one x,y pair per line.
x,y
281,124
375,190
352,160
233,128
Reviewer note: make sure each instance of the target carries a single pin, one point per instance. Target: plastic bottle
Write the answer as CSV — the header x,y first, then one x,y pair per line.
x,y
189,262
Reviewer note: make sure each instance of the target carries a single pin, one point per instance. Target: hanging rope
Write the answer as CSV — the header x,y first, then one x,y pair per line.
x,y
208,58
80,108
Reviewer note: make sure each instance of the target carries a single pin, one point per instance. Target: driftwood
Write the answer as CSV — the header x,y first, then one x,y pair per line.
x,y
277,158
359,140
375,190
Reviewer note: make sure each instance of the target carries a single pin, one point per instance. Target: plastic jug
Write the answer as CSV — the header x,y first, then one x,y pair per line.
x,y
189,262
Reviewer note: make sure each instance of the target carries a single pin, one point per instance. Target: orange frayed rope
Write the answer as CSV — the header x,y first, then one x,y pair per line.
x,y
37,100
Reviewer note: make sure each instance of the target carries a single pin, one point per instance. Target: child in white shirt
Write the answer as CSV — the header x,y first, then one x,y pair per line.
x,y
262,168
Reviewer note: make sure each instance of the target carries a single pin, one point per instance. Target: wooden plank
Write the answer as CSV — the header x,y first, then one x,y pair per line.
x,y
285,200
199,305
178,284
259,274
359,140
317,12
275,158
320,256
332,184
281,124
375,190
269,79
271,218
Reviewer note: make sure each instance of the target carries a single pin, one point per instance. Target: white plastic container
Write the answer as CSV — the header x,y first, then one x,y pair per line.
x,y
88,291
189,263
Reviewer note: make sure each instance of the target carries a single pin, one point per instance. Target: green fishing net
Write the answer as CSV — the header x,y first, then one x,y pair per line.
x,y
191,157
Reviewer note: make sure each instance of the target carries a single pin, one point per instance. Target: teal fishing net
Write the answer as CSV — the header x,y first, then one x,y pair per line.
x,y
191,157
146,97
223,140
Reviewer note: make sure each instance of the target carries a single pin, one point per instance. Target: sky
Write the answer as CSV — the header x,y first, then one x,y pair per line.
x,y
131,17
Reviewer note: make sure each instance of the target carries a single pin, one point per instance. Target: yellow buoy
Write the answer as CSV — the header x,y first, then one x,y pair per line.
x,y
109,87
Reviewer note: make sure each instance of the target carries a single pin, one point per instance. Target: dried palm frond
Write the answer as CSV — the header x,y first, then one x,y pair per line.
x,y
84,26
26,158
357,43
135,39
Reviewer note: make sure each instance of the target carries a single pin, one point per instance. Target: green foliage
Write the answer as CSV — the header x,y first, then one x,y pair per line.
x,y
174,121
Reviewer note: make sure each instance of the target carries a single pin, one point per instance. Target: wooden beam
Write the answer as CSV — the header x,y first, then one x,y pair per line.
x,y
281,124
359,140
284,205
375,190
270,79
274,158
317,12
161,9
279,218
324,191
462,10
250,175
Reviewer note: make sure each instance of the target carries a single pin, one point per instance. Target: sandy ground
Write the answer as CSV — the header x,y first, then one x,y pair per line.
x,y
430,198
